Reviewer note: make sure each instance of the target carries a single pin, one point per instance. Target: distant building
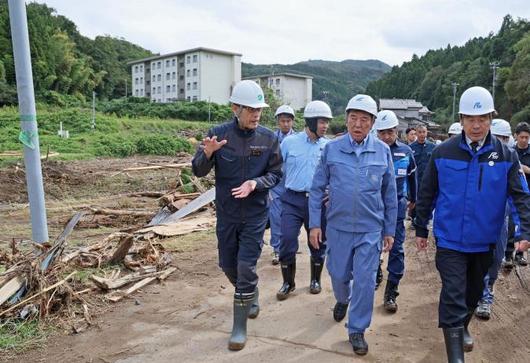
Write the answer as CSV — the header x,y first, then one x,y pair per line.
x,y
293,89
410,113
198,74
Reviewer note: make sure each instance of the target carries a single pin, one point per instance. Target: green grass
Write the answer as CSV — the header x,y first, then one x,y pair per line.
x,y
112,137
16,335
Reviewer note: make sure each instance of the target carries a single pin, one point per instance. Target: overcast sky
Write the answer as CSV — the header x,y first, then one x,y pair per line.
x,y
286,31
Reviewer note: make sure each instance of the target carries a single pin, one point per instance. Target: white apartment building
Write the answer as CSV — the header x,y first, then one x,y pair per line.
x,y
293,89
199,74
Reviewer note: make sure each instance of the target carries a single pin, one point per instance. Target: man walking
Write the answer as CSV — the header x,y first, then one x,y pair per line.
x,y
247,163
422,149
357,170
468,181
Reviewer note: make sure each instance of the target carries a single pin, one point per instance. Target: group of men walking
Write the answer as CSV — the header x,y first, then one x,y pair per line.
x,y
352,194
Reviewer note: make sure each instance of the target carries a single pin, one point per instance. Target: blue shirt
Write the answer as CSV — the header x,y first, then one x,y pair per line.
x,y
279,189
362,187
405,170
301,156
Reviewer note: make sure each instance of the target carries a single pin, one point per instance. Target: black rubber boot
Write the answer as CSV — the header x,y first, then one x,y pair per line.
x,y
468,339
391,294
288,274
454,344
238,338
339,311
359,345
379,276
254,306
316,271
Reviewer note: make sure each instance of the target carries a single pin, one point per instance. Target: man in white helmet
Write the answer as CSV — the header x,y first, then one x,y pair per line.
x,y
247,163
501,129
301,155
386,125
358,172
285,118
455,129
468,180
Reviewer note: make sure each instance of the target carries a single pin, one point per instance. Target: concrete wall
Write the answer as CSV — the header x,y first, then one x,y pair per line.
x,y
219,73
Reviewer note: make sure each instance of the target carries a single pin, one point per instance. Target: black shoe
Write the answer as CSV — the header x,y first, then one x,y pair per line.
x,y
275,258
339,311
379,276
454,344
238,339
391,294
520,259
253,312
468,339
508,263
288,274
358,343
316,272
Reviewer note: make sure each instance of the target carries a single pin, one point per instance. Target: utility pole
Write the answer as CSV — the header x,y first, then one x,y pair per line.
x,y
29,135
494,66
209,113
454,85
93,110
125,87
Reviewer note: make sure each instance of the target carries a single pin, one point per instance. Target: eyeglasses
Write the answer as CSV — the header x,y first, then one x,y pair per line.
x,y
252,109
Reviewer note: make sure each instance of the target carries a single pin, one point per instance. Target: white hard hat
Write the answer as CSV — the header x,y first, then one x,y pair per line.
x,y
284,109
248,93
362,103
476,101
455,129
385,120
317,109
501,127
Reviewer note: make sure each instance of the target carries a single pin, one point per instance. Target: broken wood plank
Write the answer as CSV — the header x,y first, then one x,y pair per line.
x,y
199,222
116,296
197,203
11,287
177,204
147,194
121,250
38,294
166,273
108,284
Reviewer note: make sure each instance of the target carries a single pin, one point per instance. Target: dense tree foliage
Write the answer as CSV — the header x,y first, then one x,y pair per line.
x,y
428,78
65,62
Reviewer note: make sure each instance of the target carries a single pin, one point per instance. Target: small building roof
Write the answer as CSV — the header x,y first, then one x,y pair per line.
x,y
424,109
398,104
198,49
286,74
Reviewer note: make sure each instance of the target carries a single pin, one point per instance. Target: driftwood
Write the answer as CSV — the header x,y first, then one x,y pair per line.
x,y
116,296
111,284
121,212
121,250
11,287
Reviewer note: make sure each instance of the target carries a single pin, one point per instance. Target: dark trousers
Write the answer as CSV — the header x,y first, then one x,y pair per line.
x,y
295,213
396,257
462,276
240,247
510,245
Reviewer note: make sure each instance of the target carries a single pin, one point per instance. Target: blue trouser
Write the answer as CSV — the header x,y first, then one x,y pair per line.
x,y
239,247
352,263
275,215
396,257
295,213
462,276
498,254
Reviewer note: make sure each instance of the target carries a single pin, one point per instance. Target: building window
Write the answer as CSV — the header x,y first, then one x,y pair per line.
x,y
182,90
168,75
159,90
141,91
141,67
188,86
136,81
277,92
174,88
277,81
194,98
167,63
158,65
174,75
194,85
181,77
136,93
188,73
135,69
188,59
195,58
168,88
154,90
141,79
153,65
194,71
181,64
173,62
188,98
154,78
159,77
271,82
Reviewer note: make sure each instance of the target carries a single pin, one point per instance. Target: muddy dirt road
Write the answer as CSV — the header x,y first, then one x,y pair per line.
x,y
189,320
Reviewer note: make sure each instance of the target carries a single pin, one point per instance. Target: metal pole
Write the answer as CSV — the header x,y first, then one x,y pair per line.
x,y
454,85
209,113
494,65
28,119
93,110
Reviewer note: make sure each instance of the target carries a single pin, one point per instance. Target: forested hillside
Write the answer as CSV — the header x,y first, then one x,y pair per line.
x,y
428,78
